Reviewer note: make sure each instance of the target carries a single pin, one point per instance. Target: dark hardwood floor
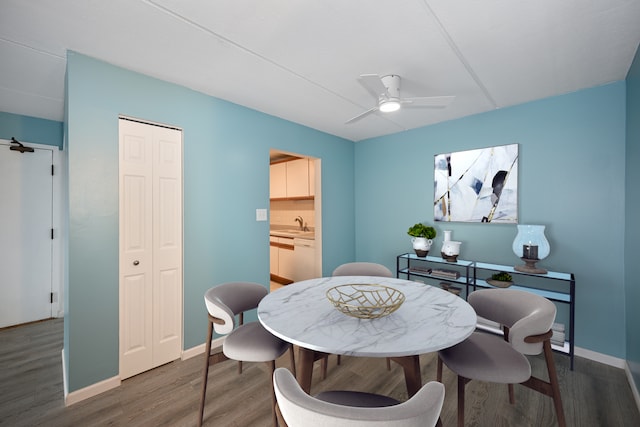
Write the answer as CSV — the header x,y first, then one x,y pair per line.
x,y
31,391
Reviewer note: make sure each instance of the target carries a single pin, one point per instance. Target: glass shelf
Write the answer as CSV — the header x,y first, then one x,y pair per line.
x,y
555,286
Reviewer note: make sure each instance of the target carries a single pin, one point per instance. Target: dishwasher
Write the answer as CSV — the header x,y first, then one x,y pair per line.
x,y
304,259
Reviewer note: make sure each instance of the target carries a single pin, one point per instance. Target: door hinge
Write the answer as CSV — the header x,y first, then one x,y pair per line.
x,y
51,297
51,170
52,234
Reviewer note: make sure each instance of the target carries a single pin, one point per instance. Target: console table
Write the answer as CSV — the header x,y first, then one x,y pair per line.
x,y
467,276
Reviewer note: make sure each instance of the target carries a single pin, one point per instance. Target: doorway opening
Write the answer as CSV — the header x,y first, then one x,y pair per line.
x,y
295,220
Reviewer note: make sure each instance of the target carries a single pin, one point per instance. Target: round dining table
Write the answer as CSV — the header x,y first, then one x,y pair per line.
x,y
430,319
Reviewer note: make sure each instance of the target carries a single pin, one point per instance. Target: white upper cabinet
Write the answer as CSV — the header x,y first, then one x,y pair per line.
x,y
278,180
298,178
292,179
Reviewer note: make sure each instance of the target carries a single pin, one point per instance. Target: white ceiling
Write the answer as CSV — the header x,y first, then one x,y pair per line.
x,y
300,60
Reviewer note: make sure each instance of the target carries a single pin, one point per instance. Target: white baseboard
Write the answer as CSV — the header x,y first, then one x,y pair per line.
x,y
92,390
616,362
65,386
110,383
634,386
199,349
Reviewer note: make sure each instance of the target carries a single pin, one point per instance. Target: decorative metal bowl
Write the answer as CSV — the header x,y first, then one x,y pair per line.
x,y
365,301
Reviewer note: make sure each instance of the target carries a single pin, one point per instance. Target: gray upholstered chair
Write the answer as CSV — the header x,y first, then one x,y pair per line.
x,y
356,269
527,319
248,342
362,269
355,409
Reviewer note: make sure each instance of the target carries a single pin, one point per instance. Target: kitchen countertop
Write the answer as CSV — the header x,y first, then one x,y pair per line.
x,y
293,233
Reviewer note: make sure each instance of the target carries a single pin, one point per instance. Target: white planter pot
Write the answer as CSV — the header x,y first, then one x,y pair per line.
x,y
421,245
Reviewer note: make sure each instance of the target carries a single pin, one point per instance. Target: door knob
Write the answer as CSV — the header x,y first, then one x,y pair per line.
x,y
136,262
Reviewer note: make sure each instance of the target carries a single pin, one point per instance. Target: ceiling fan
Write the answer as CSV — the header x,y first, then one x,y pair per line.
x,y
386,90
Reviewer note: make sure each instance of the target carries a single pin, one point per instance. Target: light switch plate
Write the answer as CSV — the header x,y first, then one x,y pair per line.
x,y
261,214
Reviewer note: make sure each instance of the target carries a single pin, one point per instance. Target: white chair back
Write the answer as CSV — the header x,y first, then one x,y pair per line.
x,y
301,410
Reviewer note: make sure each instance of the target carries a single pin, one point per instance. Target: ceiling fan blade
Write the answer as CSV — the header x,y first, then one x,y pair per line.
x,y
373,84
428,101
361,115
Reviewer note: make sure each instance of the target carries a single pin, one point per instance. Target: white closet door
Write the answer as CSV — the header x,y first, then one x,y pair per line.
x,y
150,246
26,194
167,245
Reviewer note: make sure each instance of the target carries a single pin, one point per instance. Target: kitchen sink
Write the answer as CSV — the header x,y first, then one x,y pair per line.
x,y
293,232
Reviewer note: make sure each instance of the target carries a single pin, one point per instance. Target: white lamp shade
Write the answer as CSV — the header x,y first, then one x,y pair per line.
x,y
530,242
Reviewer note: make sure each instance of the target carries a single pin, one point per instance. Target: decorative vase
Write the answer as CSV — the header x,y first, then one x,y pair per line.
x,y
450,249
531,246
421,245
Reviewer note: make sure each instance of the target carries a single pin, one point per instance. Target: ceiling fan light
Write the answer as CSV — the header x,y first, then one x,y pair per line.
x,y
389,106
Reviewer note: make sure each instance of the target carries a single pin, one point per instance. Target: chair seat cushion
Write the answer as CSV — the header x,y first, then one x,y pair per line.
x,y
253,343
487,357
356,399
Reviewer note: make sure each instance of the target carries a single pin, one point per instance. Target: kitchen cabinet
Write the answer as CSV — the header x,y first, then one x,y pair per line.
x,y
291,179
298,178
285,259
273,256
278,180
281,259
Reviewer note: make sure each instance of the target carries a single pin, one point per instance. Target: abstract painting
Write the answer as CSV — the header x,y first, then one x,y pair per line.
x,y
477,185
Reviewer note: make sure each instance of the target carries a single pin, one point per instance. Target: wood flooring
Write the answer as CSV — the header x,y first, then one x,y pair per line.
x,y
31,391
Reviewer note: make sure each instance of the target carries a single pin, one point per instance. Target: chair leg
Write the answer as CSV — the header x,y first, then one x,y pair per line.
x,y
462,382
512,396
293,360
439,370
323,366
553,379
550,388
206,372
272,368
388,364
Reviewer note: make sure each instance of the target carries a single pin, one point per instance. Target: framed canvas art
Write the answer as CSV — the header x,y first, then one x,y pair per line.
x,y
477,185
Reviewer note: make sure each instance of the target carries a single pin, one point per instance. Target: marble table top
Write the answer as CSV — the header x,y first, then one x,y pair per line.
x,y
430,319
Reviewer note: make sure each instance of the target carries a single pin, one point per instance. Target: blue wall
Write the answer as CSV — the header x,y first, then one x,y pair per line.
x,y
226,177
632,227
571,179
30,129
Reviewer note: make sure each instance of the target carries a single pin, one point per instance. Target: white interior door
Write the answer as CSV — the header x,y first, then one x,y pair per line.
x,y
150,246
25,235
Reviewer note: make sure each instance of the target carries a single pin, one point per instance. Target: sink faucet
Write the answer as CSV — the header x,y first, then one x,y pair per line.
x,y
300,221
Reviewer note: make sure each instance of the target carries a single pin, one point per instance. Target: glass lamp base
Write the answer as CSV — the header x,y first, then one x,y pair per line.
x,y
530,267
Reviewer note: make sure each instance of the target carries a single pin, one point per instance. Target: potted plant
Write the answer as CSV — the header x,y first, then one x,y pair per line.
x,y
421,236
501,280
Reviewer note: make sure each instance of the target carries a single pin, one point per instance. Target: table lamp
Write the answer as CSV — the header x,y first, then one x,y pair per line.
x,y
531,246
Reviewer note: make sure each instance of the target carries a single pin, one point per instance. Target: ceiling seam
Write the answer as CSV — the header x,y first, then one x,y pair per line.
x,y
43,52
243,48
459,54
